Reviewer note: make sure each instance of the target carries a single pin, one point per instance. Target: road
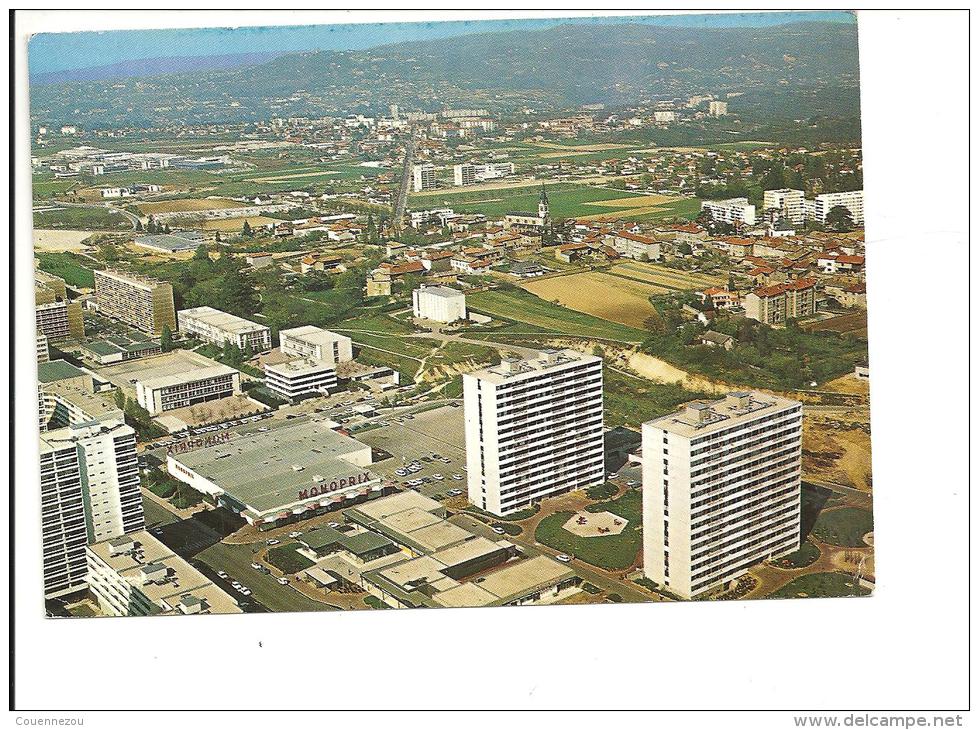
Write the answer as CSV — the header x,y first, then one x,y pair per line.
x,y
236,561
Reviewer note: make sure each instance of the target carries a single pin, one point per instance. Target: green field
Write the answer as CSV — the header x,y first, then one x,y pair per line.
x,y
384,341
83,219
567,200
631,401
820,585
521,306
845,526
67,266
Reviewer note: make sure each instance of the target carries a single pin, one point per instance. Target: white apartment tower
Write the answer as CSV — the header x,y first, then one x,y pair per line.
x,y
721,489
89,493
717,109
852,200
732,210
790,203
423,177
533,429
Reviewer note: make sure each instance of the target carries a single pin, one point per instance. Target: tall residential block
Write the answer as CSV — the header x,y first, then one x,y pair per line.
x,y
89,493
533,429
423,177
721,490
790,203
852,200
146,304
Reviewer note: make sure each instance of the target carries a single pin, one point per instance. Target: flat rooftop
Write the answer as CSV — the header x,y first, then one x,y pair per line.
x,y
315,335
514,368
170,368
62,437
443,292
266,471
223,321
53,370
697,419
302,366
179,581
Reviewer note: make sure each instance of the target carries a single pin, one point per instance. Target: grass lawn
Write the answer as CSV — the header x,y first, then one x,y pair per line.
x,y
286,559
820,585
509,528
521,306
567,200
67,266
375,602
82,219
806,555
613,552
631,401
844,526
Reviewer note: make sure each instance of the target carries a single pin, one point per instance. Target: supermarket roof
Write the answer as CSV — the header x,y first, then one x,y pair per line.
x,y
278,469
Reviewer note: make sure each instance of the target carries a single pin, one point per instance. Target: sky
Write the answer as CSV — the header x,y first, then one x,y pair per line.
x,y
52,52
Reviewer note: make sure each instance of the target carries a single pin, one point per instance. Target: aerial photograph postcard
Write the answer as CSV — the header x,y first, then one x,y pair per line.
x,y
450,314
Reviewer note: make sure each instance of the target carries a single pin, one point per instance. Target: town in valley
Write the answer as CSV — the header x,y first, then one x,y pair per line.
x,y
437,324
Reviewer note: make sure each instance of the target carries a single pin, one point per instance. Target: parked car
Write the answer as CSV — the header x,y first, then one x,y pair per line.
x,y
282,581
455,492
334,525
294,534
564,558
632,483
457,477
256,566
222,575
272,541
246,591
499,530
437,477
236,585
436,456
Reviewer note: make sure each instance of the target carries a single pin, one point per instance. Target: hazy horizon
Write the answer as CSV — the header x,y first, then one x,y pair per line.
x,y
64,52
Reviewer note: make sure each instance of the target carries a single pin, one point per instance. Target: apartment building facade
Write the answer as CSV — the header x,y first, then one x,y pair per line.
x,y
144,303
721,490
774,304
297,378
851,200
470,173
733,210
534,428
790,203
217,327
89,492
423,177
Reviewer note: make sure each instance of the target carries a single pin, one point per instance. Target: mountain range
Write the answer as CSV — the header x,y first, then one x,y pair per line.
x,y
559,67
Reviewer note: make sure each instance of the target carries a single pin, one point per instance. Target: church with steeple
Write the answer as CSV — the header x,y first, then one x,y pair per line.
x,y
529,220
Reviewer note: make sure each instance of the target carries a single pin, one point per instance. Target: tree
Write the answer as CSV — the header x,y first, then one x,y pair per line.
x,y
231,354
246,230
166,339
166,228
201,253
120,399
217,236
110,253
139,224
839,219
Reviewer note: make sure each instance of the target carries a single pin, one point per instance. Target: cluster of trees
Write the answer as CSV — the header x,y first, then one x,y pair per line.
x,y
152,226
138,417
224,283
762,356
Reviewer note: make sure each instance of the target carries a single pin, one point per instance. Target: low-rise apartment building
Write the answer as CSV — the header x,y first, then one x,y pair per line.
x,y
217,327
775,304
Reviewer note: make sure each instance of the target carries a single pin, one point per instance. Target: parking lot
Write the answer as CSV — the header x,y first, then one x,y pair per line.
x,y
416,437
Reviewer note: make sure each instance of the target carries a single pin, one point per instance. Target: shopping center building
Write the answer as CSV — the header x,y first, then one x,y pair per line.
x,y
290,473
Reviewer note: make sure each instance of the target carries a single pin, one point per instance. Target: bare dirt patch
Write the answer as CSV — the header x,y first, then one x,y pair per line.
x,y
50,241
599,294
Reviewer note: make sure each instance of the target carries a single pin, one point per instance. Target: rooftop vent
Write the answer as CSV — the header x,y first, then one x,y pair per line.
x,y
697,413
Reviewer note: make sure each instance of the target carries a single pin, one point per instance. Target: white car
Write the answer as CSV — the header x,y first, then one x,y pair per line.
x,y
256,566
632,483
272,541
246,591
236,585
294,534
457,477
282,581
499,530
564,558
222,575
437,477
334,525
401,472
